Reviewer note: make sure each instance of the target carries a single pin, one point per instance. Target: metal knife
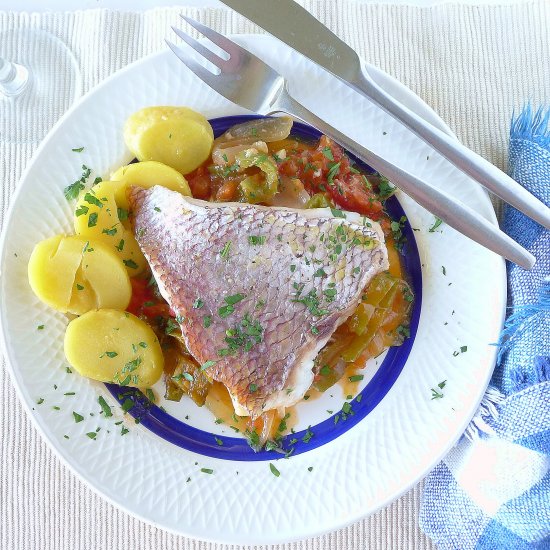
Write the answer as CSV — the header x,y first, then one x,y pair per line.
x,y
296,27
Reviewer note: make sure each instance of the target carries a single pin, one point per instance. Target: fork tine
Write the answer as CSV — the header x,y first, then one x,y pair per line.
x,y
198,47
218,39
204,74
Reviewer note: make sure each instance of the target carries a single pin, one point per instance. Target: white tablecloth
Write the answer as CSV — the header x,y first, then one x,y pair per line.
x,y
473,65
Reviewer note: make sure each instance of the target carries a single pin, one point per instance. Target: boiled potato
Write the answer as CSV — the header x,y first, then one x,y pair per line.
x,y
75,275
52,268
97,217
146,174
114,346
176,136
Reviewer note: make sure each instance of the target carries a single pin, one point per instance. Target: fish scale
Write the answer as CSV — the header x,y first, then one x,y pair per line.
x,y
286,315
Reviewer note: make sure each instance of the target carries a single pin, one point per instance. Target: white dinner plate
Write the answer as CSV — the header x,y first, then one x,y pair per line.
x,y
350,467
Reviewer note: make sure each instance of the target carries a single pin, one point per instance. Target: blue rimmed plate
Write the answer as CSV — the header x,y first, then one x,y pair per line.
x,y
160,469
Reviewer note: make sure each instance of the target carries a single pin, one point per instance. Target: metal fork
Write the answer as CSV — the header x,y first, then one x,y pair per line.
x,y
247,81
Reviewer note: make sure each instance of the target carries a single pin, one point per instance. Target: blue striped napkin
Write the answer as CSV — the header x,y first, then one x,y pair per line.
x,y
492,491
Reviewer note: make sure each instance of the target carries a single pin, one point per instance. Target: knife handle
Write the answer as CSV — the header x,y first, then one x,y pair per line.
x,y
453,212
455,152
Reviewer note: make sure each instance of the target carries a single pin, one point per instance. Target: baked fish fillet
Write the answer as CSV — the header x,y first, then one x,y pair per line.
x,y
258,291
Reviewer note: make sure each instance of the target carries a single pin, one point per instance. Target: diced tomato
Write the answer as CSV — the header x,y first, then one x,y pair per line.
x,y
326,168
200,183
145,302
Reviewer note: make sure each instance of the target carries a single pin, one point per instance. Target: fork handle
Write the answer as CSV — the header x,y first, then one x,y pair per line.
x,y
452,212
458,154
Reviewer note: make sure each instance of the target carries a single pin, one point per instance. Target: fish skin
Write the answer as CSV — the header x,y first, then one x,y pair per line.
x,y
183,239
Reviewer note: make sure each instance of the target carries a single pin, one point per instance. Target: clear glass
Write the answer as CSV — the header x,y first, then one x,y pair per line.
x,y
39,80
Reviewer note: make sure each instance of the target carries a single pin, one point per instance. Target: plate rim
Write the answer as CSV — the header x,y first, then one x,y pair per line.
x,y
76,467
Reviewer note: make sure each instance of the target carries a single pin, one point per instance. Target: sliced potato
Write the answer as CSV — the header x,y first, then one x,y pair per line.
x,y
114,346
75,275
146,174
52,269
97,217
176,136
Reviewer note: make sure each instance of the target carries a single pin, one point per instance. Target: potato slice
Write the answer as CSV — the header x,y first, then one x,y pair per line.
x,y
52,269
176,136
97,217
146,174
75,275
114,346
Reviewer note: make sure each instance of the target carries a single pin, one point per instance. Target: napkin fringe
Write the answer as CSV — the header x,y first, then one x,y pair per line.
x,y
486,412
532,125
522,319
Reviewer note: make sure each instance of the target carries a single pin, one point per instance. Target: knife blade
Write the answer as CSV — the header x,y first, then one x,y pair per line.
x,y
296,27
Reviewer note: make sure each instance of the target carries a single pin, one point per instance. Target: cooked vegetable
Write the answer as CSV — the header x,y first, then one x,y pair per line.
x,y
146,174
176,136
258,188
75,275
114,346
98,217
183,375
379,321
224,153
264,129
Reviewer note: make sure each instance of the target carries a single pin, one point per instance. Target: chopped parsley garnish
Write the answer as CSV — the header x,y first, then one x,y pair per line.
x,y
198,303
443,270
292,268
120,245
337,213
40,327
327,151
356,378
79,287
333,172
256,239
224,253
207,471
110,232
314,330
92,219
123,430
157,209
437,223
274,470
77,149
311,301
122,214
77,417
171,326
105,407
218,441
244,336
208,364
90,198
436,394
404,331
130,263
72,191
385,189
40,401
320,273
308,436
150,395
225,311
310,469
81,210
127,405
397,232
253,388
92,435
463,349
234,299
110,354
207,321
